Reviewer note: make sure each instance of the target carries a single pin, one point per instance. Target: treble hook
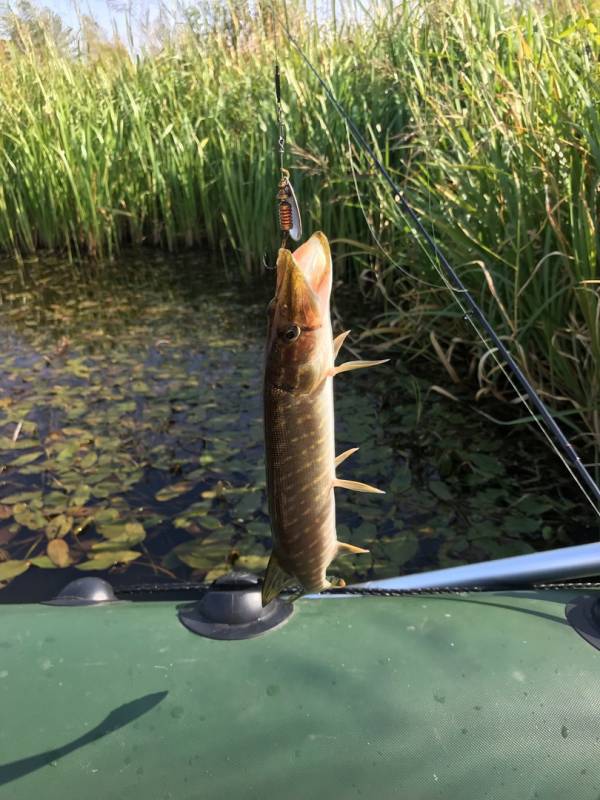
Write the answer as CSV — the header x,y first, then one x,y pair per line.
x,y
265,262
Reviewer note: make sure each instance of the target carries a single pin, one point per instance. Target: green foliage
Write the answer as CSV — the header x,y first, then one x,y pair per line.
x,y
138,390
485,111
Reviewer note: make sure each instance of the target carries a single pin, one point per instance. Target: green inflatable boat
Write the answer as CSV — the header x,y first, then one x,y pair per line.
x,y
461,683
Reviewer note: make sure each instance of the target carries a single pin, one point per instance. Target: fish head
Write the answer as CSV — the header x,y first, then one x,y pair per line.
x,y
299,342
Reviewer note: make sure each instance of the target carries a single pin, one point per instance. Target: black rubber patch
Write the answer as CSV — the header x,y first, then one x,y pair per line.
x,y
88,591
232,609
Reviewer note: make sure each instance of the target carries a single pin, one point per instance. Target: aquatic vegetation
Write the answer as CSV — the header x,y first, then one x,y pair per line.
x,y
131,440
504,165
486,112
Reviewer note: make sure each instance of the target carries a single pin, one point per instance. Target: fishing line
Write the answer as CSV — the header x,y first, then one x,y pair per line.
x,y
470,308
489,351
374,236
290,221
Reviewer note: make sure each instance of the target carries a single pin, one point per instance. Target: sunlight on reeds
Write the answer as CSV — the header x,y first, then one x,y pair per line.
x,y
485,111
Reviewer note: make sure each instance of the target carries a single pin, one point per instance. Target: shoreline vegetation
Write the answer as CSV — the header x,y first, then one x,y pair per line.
x,y
486,112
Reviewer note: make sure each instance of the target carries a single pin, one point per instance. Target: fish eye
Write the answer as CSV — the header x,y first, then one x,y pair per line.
x,y
291,333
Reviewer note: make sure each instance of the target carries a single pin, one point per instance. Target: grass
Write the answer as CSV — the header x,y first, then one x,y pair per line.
x,y
486,112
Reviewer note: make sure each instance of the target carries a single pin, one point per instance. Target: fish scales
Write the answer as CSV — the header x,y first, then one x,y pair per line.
x,y
300,458
299,422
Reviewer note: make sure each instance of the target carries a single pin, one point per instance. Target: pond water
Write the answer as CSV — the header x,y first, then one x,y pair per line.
x,y
131,440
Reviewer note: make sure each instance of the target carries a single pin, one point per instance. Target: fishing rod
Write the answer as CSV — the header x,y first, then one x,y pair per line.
x,y
572,461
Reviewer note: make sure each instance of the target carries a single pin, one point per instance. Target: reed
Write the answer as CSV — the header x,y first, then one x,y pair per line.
x,y
486,111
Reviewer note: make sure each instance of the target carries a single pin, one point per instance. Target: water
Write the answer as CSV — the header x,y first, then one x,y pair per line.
x,y
131,440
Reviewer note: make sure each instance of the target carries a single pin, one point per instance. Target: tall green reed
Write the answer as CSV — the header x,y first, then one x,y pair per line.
x,y
505,169
486,112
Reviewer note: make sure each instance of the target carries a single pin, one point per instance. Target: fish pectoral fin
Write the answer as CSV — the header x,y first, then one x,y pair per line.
x,y
338,342
343,456
344,547
357,486
276,579
357,365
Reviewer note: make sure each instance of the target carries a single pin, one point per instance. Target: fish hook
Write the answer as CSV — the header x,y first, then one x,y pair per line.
x,y
265,262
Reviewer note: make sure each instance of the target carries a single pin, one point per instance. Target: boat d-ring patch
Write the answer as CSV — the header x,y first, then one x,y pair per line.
x,y
583,615
232,609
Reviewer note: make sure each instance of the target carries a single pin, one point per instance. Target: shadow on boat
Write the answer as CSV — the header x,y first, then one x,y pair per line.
x,y
116,719
519,608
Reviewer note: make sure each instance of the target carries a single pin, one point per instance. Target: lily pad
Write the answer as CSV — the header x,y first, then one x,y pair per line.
x,y
217,572
521,524
124,532
106,515
259,530
174,490
131,533
489,465
34,520
7,443
202,555
441,490
210,523
26,458
533,505
108,559
58,552
12,568
503,549
43,562
400,549
21,497
253,563
67,452
401,480
8,533
88,461
81,496
249,504
59,526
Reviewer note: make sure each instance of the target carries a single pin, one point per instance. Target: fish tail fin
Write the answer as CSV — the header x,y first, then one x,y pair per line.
x,y
276,579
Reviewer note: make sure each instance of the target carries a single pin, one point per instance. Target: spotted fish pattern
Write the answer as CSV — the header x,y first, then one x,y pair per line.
x,y
299,422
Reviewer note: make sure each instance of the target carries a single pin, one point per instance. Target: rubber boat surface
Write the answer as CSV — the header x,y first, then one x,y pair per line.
x,y
472,695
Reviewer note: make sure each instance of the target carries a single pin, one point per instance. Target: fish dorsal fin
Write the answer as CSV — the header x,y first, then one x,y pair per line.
x,y
343,456
356,486
356,365
276,579
338,342
344,547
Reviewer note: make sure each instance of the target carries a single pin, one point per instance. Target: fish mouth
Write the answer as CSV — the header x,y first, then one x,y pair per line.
x,y
304,280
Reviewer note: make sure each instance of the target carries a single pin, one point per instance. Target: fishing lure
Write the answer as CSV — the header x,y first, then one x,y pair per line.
x,y
290,222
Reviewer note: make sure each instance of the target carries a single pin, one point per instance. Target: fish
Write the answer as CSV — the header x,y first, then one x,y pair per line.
x,y
299,422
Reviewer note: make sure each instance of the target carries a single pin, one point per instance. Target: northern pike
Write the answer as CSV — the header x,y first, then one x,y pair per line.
x,y
299,422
